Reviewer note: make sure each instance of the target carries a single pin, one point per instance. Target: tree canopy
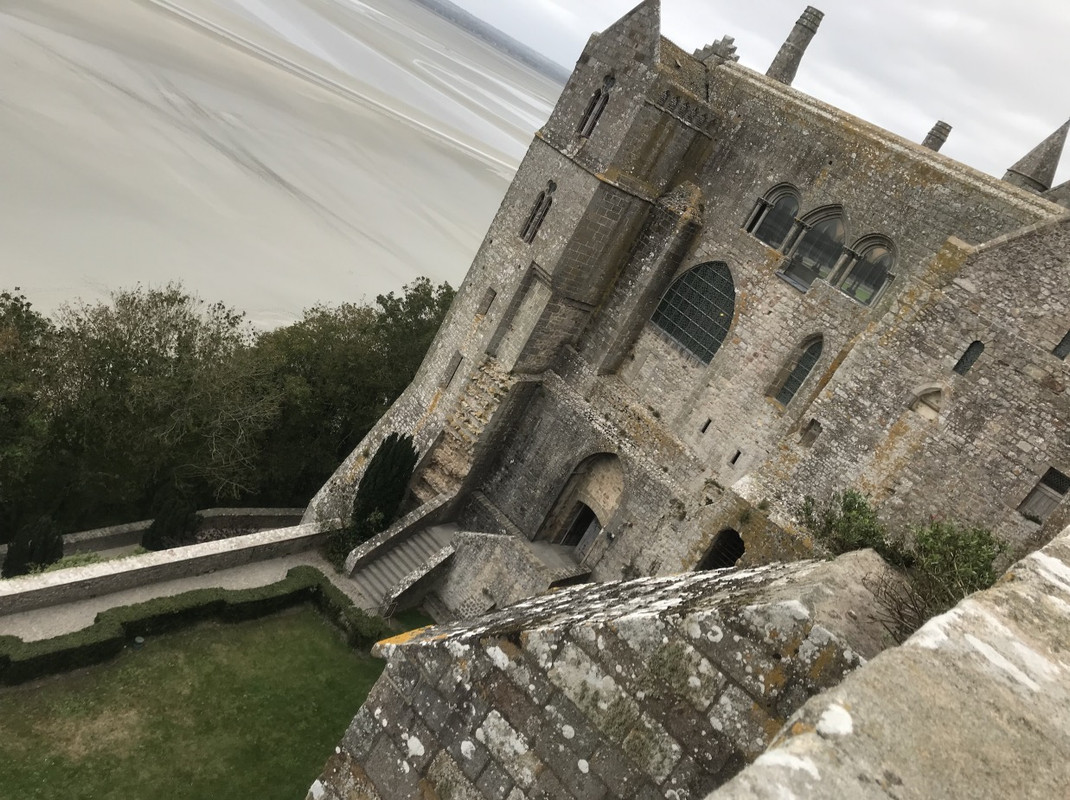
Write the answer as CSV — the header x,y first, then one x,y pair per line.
x,y
108,405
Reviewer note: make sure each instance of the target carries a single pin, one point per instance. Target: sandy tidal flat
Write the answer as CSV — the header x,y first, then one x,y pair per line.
x,y
271,154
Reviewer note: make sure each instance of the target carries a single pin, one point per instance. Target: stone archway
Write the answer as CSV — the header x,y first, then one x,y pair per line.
x,y
726,550
586,504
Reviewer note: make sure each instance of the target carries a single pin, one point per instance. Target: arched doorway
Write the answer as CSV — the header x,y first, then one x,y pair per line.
x,y
726,550
586,504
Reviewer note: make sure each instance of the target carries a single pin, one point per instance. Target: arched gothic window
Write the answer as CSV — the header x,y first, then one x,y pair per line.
x,y
774,215
818,249
969,358
869,271
538,213
800,370
697,311
595,107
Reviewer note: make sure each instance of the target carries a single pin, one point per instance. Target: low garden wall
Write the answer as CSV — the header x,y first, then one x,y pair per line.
x,y
114,628
217,522
79,583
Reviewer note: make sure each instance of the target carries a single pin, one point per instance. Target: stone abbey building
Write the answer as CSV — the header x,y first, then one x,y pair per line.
x,y
707,295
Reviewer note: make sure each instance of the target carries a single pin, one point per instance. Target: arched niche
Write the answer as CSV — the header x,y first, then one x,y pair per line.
x,y
726,550
586,504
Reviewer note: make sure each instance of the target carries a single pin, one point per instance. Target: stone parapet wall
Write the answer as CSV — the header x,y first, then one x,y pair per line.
x,y
642,689
976,704
78,583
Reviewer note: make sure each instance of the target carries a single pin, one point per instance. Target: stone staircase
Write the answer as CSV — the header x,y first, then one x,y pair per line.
x,y
452,457
379,577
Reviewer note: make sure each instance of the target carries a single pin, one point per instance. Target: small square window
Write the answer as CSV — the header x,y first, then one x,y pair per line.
x,y
1046,496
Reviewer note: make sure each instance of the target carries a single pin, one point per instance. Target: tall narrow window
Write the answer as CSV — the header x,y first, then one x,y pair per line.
x,y
799,372
818,251
869,274
969,358
774,222
1062,350
697,311
1046,495
538,213
595,108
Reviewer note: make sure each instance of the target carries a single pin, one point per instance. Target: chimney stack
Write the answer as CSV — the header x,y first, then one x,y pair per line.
x,y
937,136
786,63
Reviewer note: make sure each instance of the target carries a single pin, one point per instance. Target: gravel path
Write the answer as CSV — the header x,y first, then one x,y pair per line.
x,y
44,623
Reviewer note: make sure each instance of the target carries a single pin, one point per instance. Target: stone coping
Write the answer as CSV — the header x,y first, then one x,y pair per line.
x,y
79,583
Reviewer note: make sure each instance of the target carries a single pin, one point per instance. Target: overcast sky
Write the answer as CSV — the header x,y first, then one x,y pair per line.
x,y
998,71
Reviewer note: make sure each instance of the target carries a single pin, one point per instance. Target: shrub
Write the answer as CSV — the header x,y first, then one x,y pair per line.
x,y
846,521
174,523
379,496
948,562
35,546
943,562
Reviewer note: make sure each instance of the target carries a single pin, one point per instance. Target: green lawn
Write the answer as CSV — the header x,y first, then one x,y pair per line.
x,y
250,710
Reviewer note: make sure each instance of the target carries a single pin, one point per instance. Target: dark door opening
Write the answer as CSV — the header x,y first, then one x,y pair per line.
x,y
727,549
583,523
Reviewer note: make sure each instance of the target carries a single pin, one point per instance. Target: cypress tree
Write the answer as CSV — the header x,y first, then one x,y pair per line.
x,y
36,545
379,495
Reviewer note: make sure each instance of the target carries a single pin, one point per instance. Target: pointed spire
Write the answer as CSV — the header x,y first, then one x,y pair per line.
x,y
1036,171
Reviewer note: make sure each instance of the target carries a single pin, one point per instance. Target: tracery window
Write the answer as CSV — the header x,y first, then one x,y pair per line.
x,y
818,249
773,217
800,370
595,107
867,274
697,311
969,358
538,213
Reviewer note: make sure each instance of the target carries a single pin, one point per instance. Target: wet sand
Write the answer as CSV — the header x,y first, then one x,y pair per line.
x,y
271,154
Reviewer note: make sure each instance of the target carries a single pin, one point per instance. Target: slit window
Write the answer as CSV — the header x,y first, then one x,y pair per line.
x,y
595,108
969,358
697,311
1046,496
799,372
538,213
451,370
486,301
1062,350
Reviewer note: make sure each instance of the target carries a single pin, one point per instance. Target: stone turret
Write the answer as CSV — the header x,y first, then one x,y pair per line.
x,y
937,136
1036,171
786,63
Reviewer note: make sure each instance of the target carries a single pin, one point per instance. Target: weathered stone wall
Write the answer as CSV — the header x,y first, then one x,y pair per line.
x,y
999,427
976,704
644,689
77,583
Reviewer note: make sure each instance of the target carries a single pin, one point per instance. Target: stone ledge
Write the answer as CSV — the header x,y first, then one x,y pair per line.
x,y
976,704
79,583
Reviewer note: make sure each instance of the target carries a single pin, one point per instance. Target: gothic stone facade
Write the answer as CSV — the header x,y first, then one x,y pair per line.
x,y
707,295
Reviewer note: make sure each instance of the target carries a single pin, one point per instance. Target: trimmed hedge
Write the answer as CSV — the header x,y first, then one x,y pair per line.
x,y
112,629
